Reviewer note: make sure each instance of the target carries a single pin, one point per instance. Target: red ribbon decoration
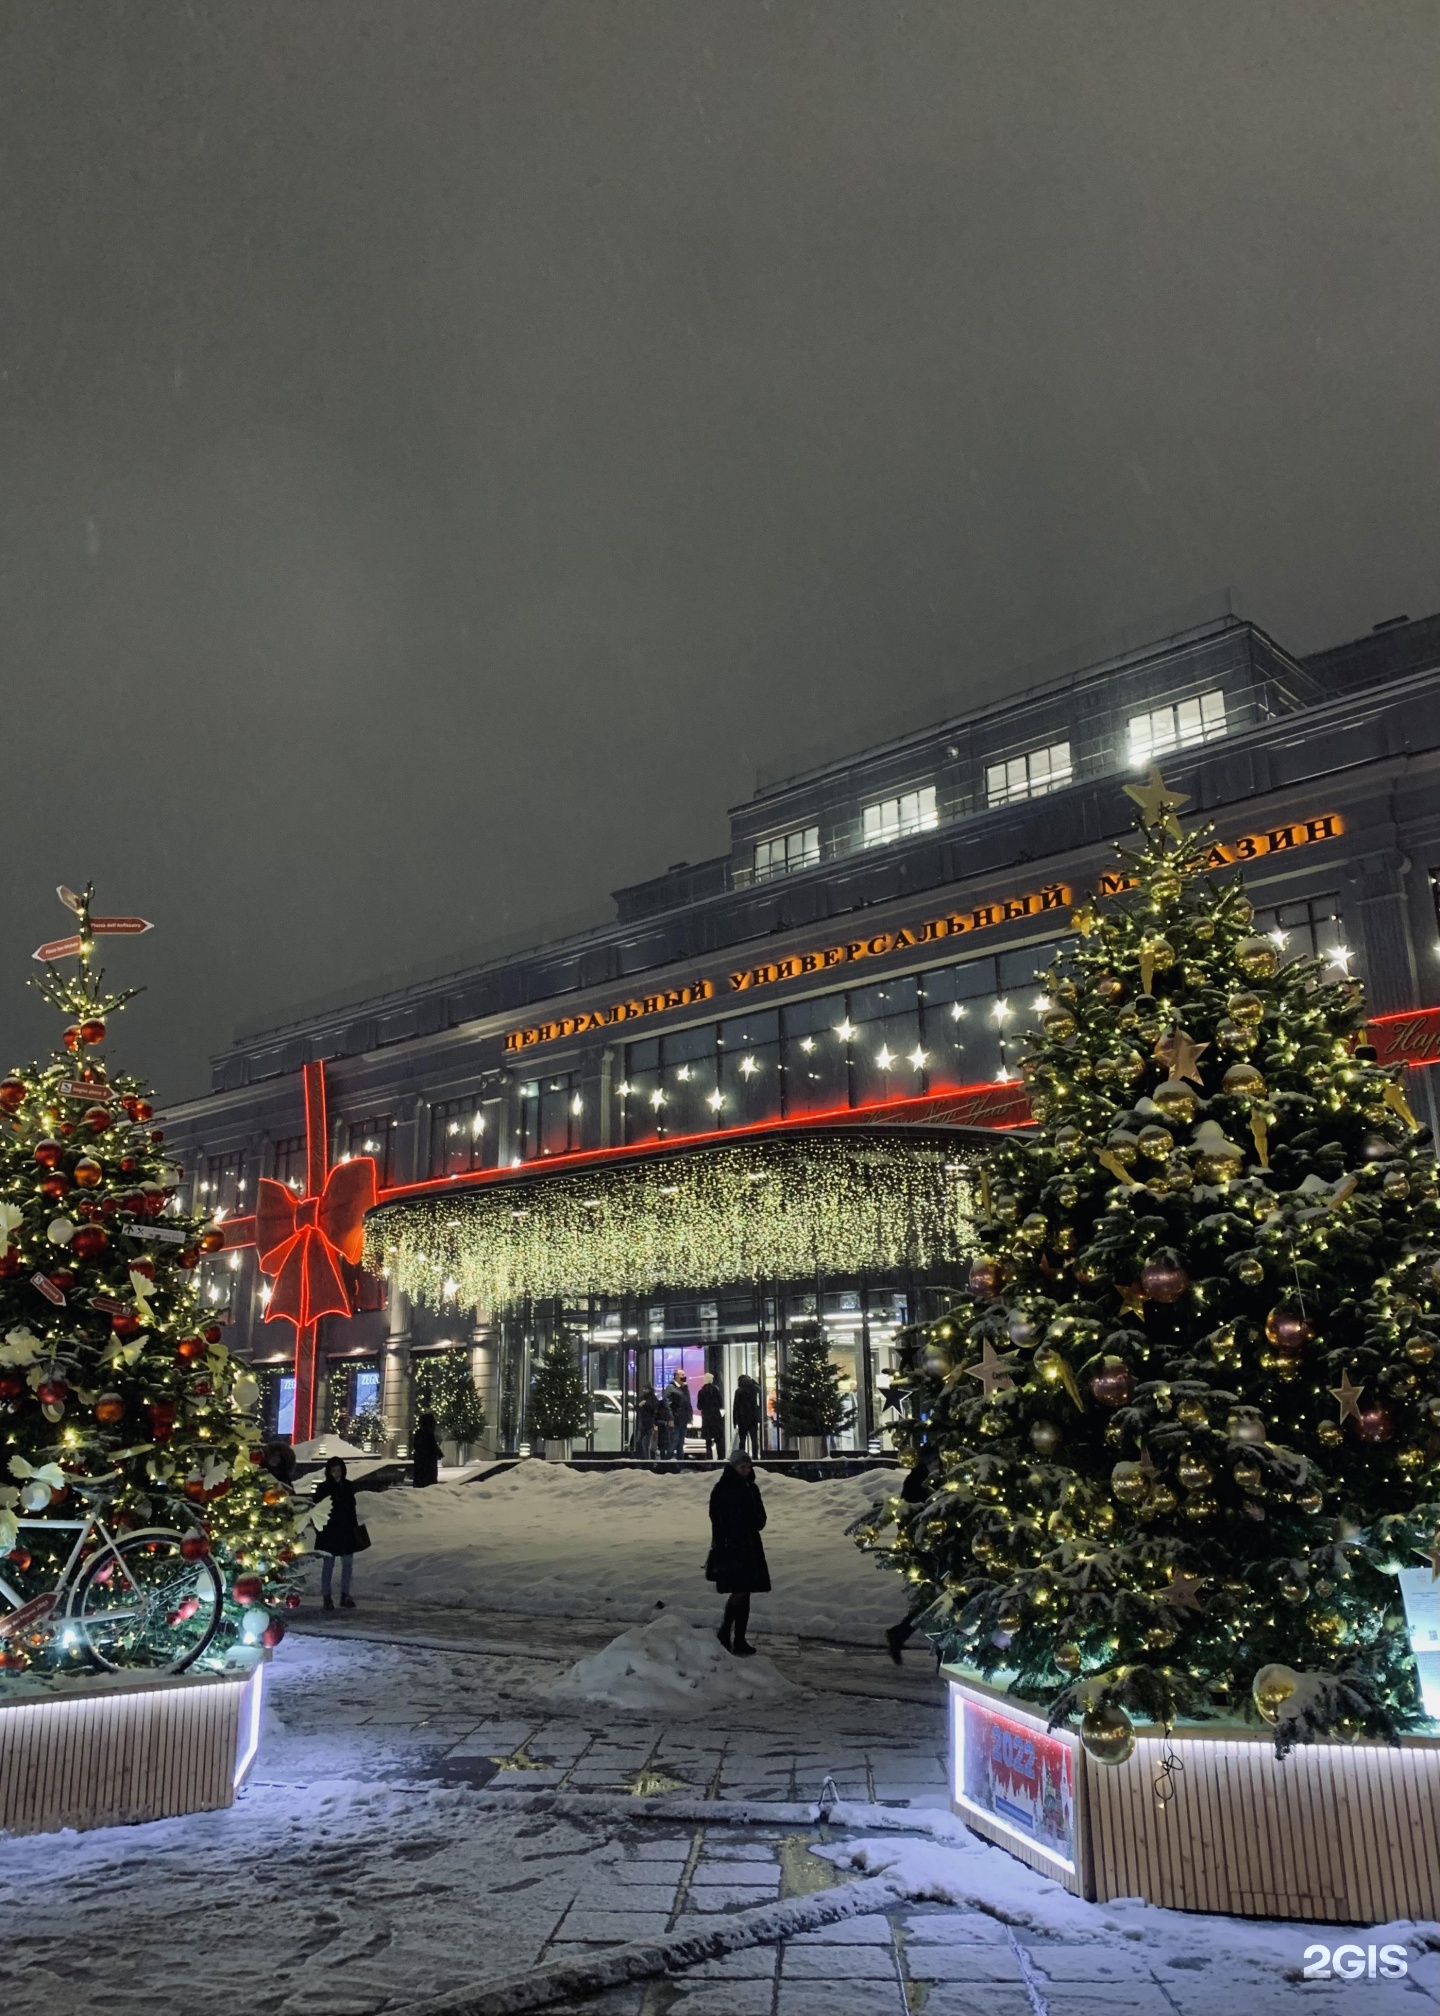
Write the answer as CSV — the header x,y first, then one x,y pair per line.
x,y
302,1240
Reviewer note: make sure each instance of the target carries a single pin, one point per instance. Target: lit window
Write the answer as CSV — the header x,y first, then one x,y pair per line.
x,y
1028,776
787,852
896,818
1180,725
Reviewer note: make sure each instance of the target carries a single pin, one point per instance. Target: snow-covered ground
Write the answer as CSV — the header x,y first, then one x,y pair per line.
x,y
395,1843
550,1541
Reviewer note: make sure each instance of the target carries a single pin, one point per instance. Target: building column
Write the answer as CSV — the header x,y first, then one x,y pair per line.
x,y
395,1374
484,1366
1377,913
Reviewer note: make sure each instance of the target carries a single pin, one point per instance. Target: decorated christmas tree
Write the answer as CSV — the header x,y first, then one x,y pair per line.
x,y
559,1404
446,1386
809,1401
117,1396
1184,1428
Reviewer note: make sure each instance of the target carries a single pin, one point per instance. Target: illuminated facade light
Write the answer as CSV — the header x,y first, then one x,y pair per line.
x,y
958,1011
748,1067
715,1101
845,1030
683,1074
657,1098
884,1057
807,1044
577,1105
918,1057
477,1125
1001,1011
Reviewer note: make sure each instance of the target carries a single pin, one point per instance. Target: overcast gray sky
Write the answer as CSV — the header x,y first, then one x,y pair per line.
x,y
445,445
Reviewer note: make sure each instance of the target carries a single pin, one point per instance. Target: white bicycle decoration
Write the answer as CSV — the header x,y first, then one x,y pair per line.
x,y
138,1601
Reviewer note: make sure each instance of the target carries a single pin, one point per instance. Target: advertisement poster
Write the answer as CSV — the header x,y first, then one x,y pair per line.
x,y
1018,1778
1421,1592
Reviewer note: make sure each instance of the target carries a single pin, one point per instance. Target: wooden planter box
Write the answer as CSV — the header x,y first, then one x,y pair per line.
x,y
106,1751
1337,1832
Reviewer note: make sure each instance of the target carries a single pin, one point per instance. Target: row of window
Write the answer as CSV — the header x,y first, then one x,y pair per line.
x,y
1179,724
926,1032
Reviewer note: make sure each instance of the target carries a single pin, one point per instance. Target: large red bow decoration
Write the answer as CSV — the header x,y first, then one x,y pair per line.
x,y
302,1240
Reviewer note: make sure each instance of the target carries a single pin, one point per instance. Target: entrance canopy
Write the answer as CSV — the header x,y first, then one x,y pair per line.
x,y
844,1202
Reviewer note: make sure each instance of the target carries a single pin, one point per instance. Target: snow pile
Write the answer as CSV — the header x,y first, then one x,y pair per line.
x,y
669,1667
326,1446
545,1540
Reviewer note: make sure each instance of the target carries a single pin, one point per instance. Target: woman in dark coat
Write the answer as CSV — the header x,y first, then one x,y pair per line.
x,y
341,1536
425,1452
677,1399
737,1564
745,1413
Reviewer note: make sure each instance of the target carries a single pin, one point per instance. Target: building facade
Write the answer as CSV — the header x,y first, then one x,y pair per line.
x,y
847,985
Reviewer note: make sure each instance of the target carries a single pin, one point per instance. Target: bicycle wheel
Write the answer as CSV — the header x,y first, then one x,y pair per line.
x,y
140,1605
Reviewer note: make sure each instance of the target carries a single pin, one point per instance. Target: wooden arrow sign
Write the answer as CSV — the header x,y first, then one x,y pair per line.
x,y
102,927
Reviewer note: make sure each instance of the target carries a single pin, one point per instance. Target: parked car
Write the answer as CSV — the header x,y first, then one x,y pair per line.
x,y
609,1420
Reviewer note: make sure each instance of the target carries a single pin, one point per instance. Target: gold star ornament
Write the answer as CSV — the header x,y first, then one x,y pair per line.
x,y
1158,803
1180,1054
992,1372
1349,1398
1181,1592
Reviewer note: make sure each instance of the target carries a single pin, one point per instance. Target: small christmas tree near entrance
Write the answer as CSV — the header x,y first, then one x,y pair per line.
x,y
809,1404
559,1404
1185,1423
446,1386
117,1397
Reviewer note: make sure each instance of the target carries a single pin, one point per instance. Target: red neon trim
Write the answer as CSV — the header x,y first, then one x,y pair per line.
x,y
317,1145
1410,1036
719,1138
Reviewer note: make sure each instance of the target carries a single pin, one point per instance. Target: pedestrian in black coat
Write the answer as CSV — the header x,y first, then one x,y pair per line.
x,y
737,1564
711,1402
745,1413
341,1537
425,1452
914,1491
682,1408
646,1415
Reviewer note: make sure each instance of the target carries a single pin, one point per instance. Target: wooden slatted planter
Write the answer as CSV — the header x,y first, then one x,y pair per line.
x,y
110,1750
1340,1833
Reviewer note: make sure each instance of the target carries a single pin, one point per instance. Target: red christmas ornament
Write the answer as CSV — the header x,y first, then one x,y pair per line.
x,y
88,1172
986,1279
56,1185
143,1109
195,1546
155,1201
12,1094
272,1634
71,1038
157,1135
211,1239
1376,1423
1163,1279
10,1264
20,1558
109,1409
50,1392
127,1164
92,1031
248,1589
12,1385
219,1490
188,1257
1113,1383
89,1241
145,1268
96,1118
162,1419
190,1347
125,1325
292,1601
257,1456
49,1154
1287,1328
212,1333
195,1489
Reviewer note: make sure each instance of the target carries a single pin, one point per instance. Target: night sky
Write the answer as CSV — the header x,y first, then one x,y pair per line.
x,y
445,448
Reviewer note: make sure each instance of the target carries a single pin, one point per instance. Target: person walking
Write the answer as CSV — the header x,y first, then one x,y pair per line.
x,y
682,1409
646,1415
711,1403
425,1452
737,1564
914,1491
341,1537
745,1413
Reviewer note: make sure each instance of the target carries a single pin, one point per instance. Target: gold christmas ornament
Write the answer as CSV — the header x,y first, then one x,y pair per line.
x,y
1067,1196
1034,1229
1129,1483
1236,1036
1250,1271
1044,1438
1396,1185
1108,1734
1194,1472
1175,1102
1248,1475
1058,1024
1069,1143
1067,1658
1009,1620
1154,1141
1246,1009
1420,1348
1162,1500
1191,1414
1108,987
1165,887
1218,1158
1257,957
1243,1081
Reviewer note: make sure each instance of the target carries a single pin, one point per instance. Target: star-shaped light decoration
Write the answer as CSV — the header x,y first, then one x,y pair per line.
x,y
1432,1555
1180,1592
1181,1055
993,1372
1158,803
1349,1398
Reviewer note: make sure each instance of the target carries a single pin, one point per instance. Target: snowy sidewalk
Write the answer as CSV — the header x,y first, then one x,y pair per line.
x,y
386,1854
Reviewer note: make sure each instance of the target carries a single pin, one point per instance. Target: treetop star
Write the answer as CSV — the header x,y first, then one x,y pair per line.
x,y
1158,803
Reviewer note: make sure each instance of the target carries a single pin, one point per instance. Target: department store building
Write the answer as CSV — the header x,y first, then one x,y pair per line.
x,y
745,1103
